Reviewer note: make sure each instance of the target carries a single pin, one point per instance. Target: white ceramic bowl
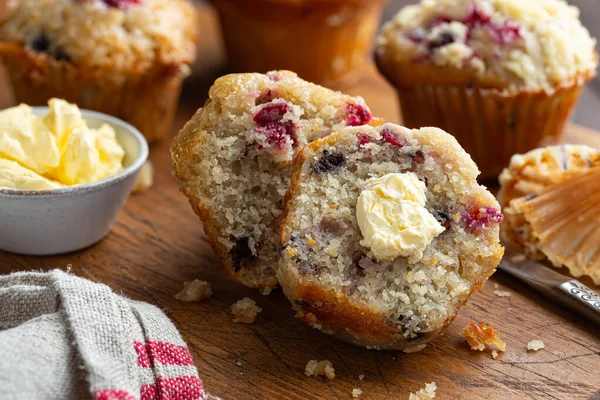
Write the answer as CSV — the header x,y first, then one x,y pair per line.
x,y
44,222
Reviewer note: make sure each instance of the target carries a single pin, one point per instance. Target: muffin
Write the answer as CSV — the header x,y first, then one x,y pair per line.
x,y
233,159
385,235
546,190
502,76
126,58
323,41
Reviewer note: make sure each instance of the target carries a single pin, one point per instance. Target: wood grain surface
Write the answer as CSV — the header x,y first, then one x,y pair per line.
x,y
158,243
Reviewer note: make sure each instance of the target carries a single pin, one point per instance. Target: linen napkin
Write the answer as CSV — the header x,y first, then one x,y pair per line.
x,y
65,337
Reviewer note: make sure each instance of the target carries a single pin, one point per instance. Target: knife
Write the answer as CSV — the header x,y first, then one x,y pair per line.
x,y
569,292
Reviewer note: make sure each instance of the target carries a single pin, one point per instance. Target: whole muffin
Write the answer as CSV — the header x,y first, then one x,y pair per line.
x,y
126,58
322,41
502,76
234,160
385,235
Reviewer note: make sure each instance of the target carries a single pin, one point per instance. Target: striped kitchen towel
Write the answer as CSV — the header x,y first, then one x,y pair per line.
x,y
65,337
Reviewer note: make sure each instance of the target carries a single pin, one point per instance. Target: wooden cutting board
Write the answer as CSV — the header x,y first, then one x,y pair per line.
x,y
158,243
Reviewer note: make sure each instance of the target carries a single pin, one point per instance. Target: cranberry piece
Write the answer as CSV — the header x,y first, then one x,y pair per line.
x,y
391,138
476,16
122,4
357,115
269,123
241,253
507,33
271,113
363,139
477,217
329,162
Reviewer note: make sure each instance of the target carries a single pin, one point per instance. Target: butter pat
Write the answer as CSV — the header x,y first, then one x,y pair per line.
x,y
55,150
393,219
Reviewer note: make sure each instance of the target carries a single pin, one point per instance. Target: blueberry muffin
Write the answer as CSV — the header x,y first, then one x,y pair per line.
x,y
386,233
234,156
126,58
326,42
502,76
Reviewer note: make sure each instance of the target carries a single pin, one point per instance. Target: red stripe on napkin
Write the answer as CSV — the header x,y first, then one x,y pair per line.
x,y
162,352
113,394
179,388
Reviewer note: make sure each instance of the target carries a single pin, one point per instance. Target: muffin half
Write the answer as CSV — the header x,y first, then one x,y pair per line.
x,y
234,156
386,234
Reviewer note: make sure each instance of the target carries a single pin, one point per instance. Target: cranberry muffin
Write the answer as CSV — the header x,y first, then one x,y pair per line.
x,y
386,234
126,58
502,76
233,159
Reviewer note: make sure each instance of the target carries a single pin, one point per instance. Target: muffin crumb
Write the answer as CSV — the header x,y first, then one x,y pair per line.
x,y
502,293
535,345
238,363
427,393
414,349
317,368
194,291
245,311
356,392
494,354
265,291
361,377
482,334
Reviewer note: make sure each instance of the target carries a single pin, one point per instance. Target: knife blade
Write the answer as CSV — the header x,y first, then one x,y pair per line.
x,y
557,287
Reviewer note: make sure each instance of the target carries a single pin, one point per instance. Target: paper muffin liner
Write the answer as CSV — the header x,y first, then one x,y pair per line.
x,y
146,100
492,125
323,42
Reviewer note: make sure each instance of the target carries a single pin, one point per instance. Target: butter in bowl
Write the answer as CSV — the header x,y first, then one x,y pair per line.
x,y
65,174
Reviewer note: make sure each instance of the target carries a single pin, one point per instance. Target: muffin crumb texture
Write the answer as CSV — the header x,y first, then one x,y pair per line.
x,y
356,393
494,354
504,44
481,335
245,311
119,35
427,393
535,345
194,291
320,368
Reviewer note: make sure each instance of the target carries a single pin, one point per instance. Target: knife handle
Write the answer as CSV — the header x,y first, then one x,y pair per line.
x,y
582,299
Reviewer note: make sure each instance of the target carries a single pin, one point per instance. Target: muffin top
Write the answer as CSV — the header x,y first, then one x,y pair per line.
x,y
502,44
120,35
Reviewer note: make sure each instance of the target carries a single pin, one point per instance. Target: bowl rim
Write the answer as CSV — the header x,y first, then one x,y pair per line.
x,y
135,166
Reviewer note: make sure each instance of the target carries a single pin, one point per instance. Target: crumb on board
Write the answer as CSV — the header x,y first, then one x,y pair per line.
x,y
238,363
494,354
356,392
195,290
518,258
481,334
361,377
502,293
245,311
414,349
265,291
145,178
316,368
535,345
427,393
